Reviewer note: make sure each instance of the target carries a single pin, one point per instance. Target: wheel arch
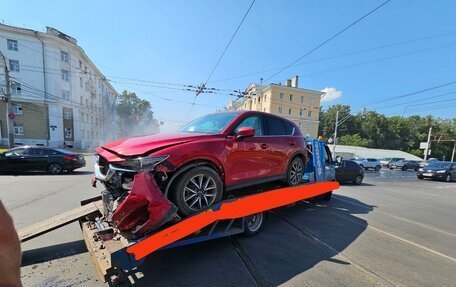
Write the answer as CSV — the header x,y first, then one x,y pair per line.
x,y
191,164
299,154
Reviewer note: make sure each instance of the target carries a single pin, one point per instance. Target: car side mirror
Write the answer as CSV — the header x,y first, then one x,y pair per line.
x,y
245,132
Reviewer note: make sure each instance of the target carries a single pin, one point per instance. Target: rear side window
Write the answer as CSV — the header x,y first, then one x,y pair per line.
x,y
371,159
275,127
290,129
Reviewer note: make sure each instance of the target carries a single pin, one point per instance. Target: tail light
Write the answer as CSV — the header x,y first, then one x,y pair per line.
x,y
70,157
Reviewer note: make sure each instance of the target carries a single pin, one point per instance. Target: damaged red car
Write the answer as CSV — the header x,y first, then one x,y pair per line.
x,y
150,178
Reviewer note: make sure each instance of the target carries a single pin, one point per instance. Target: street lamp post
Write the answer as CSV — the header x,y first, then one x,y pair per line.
x,y
9,112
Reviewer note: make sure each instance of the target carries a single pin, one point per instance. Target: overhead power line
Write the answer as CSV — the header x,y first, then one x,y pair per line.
x,y
411,94
229,42
338,56
327,40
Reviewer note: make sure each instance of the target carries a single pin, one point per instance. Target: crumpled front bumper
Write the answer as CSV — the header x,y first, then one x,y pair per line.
x,y
144,209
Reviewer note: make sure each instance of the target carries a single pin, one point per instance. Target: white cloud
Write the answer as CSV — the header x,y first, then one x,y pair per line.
x,y
330,94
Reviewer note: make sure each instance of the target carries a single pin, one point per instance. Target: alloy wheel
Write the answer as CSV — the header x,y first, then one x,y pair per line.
x,y
448,178
54,168
358,180
200,192
296,172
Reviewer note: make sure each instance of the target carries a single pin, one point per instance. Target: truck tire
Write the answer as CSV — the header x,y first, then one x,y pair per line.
x,y
253,224
325,196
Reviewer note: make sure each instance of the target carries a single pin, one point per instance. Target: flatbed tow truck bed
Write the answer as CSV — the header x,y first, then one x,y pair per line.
x,y
115,256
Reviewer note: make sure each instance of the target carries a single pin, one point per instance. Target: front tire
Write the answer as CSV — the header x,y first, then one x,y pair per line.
x,y
54,168
295,172
196,190
448,178
377,168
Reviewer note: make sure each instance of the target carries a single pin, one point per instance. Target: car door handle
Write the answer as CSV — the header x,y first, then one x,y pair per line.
x,y
264,146
291,142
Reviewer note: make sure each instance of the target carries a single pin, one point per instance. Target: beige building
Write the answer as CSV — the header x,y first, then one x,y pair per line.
x,y
301,106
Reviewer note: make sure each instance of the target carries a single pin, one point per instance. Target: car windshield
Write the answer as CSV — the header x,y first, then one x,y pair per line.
x,y
212,123
439,165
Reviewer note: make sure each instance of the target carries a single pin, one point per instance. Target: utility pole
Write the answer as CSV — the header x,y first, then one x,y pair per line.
x,y
335,134
9,112
454,150
428,144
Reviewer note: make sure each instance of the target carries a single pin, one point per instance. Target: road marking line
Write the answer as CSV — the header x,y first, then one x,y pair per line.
x,y
307,233
400,239
401,218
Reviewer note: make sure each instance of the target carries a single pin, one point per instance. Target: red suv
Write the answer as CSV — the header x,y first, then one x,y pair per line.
x,y
196,165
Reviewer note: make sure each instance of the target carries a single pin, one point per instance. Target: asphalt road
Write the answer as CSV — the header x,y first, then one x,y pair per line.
x,y
394,230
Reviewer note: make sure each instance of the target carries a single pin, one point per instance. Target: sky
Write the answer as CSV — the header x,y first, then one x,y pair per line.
x,y
402,48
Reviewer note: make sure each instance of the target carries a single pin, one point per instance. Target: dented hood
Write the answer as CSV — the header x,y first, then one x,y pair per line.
x,y
140,145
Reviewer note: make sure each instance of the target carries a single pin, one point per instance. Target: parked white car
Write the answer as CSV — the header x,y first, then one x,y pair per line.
x,y
367,163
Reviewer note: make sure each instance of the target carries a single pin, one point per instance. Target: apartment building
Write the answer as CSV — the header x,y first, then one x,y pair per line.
x,y
59,96
301,106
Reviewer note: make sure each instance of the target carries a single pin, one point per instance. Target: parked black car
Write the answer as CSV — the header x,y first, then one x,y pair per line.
x,y
31,158
442,170
405,165
348,170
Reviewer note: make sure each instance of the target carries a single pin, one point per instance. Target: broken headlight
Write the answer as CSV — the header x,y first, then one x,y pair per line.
x,y
140,164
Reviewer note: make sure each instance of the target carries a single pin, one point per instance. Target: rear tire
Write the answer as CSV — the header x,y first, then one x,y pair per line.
x,y
253,224
54,168
420,176
196,190
295,172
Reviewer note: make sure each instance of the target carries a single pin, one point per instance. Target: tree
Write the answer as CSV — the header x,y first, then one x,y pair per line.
x,y
354,140
374,130
328,121
134,115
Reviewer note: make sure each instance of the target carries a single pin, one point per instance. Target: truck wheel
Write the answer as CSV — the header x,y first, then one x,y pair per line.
x,y
295,172
253,224
196,190
325,196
